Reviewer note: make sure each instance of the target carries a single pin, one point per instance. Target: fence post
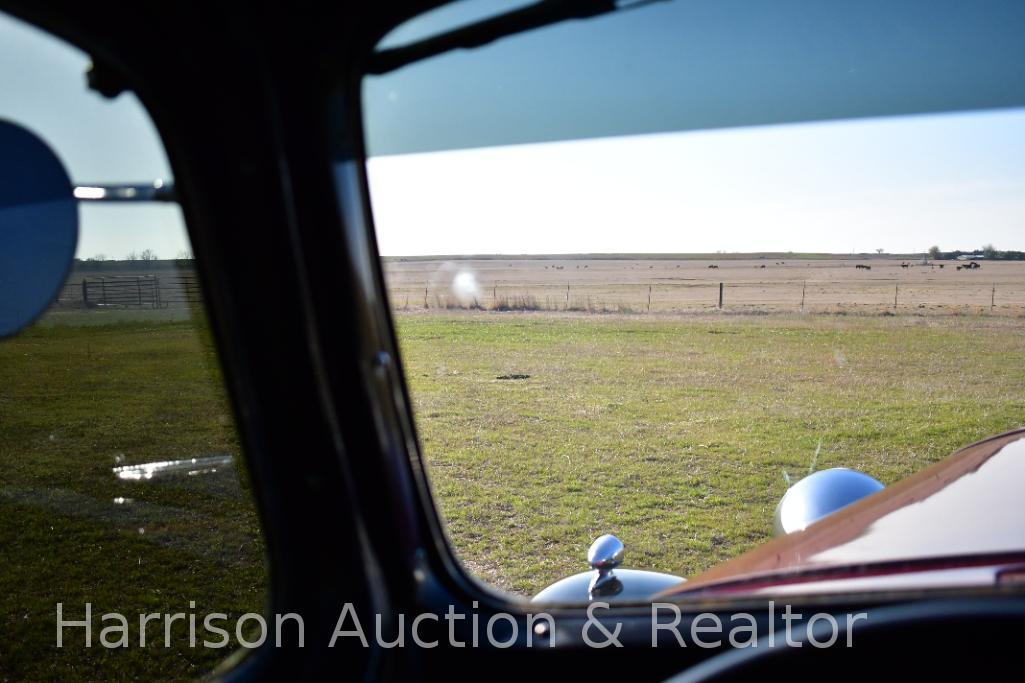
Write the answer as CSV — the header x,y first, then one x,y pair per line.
x,y
993,298
138,289
896,288
720,295
649,298
803,287
103,289
85,294
425,297
567,297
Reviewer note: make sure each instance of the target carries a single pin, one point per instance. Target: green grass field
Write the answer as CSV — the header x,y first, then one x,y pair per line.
x,y
75,401
672,432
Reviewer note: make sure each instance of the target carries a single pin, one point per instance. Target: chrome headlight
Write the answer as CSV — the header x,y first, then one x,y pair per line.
x,y
821,494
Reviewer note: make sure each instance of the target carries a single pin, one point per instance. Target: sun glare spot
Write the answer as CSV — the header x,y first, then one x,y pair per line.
x,y
465,288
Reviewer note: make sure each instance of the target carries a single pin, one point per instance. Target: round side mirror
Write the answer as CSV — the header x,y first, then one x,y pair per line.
x,y
38,227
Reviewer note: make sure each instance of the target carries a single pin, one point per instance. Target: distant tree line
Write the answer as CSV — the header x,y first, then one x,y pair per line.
x,y
987,251
144,260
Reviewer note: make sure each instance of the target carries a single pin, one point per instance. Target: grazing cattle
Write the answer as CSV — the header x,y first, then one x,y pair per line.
x,y
904,265
862,266
713,266
941,266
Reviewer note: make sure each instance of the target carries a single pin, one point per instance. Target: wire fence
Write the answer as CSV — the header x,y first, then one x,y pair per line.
x,y
145,290
596,297
181,289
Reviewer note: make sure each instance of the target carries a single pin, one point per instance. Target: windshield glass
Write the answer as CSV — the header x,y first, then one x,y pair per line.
x,y
652,269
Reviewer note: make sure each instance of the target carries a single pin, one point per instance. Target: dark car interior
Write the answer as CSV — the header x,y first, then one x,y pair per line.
x,y
259,107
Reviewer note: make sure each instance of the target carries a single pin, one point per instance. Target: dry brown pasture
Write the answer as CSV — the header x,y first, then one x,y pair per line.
x,y
685,285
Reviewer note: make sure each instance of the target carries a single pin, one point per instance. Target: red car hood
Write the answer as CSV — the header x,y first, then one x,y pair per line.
x,y
963,512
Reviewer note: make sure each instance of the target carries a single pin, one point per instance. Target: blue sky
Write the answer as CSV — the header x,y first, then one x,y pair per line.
x,y
42,81
671,128
898,183
684,65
